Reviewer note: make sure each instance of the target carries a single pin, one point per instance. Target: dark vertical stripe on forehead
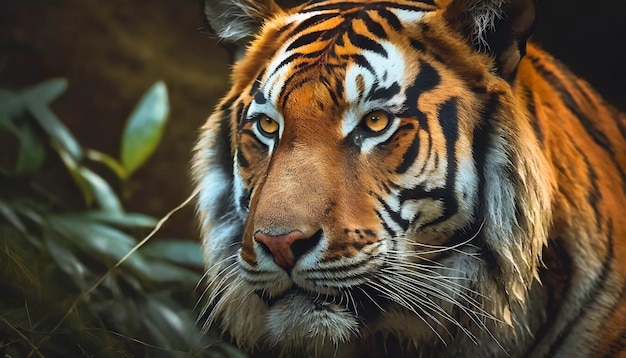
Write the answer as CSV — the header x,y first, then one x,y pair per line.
x,y
292,87
293,57
366,43
332,6
310,22
361,61
391,19
305,40
374,27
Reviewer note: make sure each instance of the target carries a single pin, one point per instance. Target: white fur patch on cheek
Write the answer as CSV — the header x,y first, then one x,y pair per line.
x,y
467,186
220,224
213,185
239,190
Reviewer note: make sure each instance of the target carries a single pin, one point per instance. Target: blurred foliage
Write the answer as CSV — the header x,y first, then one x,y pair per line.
x,y
66,289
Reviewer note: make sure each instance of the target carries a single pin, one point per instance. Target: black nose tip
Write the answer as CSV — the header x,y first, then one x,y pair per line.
x,y
299,248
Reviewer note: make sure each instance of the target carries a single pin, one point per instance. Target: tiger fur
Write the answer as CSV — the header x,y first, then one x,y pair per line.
x,y
392,178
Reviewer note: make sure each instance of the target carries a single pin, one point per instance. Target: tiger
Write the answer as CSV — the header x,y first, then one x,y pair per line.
x,y
396,178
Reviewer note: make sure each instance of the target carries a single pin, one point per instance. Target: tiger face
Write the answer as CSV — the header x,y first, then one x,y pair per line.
x,y
356,179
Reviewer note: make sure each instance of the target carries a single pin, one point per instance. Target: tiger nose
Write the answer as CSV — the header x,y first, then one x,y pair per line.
x,y
288,248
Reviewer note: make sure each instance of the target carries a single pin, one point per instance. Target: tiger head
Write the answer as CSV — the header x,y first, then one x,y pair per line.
x,y
367,177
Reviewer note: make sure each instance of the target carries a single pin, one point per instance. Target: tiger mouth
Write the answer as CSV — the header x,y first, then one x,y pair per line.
x,y
360,301
317,299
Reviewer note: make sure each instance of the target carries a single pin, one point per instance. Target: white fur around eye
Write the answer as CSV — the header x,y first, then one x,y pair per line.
x,y
359,82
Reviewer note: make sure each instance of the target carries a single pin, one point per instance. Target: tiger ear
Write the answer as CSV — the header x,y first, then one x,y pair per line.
x,y
237,21
498,27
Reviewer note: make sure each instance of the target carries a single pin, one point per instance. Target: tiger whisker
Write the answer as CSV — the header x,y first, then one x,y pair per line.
x,y
206,273
439,248
448,282
446,296
370,298
406,287
411,269
394,296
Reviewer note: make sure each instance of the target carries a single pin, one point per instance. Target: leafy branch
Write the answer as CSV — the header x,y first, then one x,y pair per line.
x,y
75,280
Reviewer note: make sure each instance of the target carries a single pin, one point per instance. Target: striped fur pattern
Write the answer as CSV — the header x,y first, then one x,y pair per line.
x,y
396,178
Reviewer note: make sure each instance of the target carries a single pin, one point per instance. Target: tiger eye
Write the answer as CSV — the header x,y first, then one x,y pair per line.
x,y
376,121
267,126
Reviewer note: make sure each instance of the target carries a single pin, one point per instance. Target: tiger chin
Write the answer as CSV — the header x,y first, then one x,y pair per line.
x,y
392,178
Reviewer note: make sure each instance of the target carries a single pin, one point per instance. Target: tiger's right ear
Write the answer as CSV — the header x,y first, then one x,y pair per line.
x,y
237,21
497,27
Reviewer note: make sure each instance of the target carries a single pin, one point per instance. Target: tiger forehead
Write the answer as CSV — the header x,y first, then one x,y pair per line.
x,y
343,23
334,54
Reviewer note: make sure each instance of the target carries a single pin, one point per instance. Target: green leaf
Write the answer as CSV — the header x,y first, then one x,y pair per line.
x,y
161,271
27,210
11,105
91,184
120,314
169,326
121,219
46,91
67,261
72,166
144,128
6,124
58,132
101,190
37,99
103,242
31,153
9,214
180,252
107,160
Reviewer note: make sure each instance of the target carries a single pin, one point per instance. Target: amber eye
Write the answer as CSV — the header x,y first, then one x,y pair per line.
x,y
376,121
267,126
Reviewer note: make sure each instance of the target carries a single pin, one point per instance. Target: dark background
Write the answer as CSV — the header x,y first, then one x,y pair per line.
x,y
111,51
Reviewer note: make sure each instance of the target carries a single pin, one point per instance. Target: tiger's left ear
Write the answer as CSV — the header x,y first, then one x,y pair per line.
x,y
237,21
498,27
